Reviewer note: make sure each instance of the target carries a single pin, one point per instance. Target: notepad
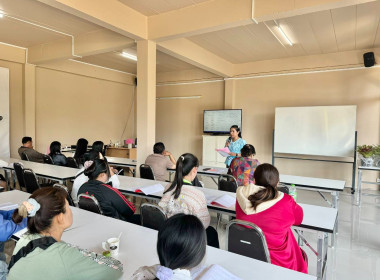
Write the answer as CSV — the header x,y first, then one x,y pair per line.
x,y
150,189
8,206
224,152
224,201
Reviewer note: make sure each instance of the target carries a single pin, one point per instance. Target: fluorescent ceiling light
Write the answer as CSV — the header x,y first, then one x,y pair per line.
x,y
1,14
284,36
130,56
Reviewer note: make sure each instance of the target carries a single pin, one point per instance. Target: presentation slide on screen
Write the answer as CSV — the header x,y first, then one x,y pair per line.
x,y
221,121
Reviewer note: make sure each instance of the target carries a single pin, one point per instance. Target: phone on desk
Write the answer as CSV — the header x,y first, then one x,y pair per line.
x,y
206,169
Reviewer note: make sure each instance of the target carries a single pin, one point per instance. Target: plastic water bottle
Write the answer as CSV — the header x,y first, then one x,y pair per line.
x,y
293,191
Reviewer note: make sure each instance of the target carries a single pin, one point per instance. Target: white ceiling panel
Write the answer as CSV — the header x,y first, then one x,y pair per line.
x,y
344,21
368,17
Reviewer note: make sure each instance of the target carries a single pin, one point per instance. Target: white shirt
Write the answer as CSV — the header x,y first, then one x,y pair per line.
x,y
81,179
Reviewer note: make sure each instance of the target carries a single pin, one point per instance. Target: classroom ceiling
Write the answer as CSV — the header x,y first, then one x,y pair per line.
x,y
155,7
115,60
344,29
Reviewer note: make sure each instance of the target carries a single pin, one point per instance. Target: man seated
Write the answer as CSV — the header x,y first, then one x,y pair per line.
x,y
27,148
160,161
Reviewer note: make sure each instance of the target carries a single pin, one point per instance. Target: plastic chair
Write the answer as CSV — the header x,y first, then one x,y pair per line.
x,y
146,172
69,198
48,159
71,162
30,179
19,170
89,203
152,216
24,156
247,239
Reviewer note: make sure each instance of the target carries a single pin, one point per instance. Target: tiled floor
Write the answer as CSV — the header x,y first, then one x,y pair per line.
x,y
357,251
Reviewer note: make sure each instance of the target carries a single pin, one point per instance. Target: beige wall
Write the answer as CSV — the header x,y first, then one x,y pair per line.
x,y
70,106
180,121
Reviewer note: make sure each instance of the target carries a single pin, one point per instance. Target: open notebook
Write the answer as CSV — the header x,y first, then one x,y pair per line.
x,y
150,189
225,200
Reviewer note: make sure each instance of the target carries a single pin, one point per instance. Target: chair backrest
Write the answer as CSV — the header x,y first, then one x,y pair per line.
x,y
69,198
71,162
89,203
24,156
247,239
227,183
283,188
48,159
152,216
30,179
19,170
146,172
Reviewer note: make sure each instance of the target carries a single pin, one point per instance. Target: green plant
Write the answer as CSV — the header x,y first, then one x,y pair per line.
x,y
376,150
366,150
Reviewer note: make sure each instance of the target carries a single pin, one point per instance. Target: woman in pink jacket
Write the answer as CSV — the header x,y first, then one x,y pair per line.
x,y
274,212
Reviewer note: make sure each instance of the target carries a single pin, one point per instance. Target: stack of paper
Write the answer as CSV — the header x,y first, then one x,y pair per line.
x,y
150,189
224,201
8,206
224,152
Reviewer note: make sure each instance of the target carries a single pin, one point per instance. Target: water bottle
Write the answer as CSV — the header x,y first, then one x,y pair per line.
x,y
293,191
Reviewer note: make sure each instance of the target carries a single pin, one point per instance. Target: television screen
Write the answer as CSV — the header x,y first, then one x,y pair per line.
x,y
220,121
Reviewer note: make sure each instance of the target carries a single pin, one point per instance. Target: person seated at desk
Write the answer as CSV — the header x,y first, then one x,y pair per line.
x,y
274,212
181,248
182,197
80,150
56,155
81,178
41,253
27,148
111,201
242,168
160,161
98,146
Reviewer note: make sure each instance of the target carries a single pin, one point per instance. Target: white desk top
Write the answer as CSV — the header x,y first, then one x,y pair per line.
x,y
138,248
122,161
309,182
315,217
45,170
208,170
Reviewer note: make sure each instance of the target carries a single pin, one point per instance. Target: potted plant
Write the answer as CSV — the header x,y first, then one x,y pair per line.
x,y
365,154
376,156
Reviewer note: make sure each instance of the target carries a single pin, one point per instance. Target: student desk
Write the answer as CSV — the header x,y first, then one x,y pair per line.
x,y
209,171
123,162
321,220
47,171
138,245
360,182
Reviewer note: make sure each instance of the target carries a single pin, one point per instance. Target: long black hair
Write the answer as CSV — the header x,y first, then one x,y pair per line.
x,y
55,148
181,242
81,148
98,146
185,164
237,128
97,167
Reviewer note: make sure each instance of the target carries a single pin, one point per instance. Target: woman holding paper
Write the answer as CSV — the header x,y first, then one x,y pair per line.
x,y
111,201
182,197
234,143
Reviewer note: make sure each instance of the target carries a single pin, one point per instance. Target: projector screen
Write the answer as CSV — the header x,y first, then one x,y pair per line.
x,y
319,130
220,121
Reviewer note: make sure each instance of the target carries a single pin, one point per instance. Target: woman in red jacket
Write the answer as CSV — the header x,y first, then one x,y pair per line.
x,y
274,212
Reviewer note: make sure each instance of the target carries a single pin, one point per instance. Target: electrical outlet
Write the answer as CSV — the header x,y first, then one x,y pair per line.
x,y
378,180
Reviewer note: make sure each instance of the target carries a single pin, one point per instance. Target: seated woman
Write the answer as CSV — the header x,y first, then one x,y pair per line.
x,y
181,248
81,178
80,150
56,155
182,197
98,146
111,201
41,254
274,212
242,168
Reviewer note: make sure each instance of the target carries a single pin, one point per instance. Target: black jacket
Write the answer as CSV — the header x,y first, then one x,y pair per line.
x,y
112,202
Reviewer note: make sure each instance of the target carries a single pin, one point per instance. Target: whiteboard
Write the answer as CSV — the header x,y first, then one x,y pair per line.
x,y
221,120
319,130
4,112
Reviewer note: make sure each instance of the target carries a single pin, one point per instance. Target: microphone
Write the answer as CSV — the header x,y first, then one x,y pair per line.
x,y
229,139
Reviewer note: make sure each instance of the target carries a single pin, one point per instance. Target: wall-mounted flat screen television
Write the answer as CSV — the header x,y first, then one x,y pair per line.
x,y
220,121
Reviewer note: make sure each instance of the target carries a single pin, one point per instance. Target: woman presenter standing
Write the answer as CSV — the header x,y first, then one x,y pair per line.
x,y
235,143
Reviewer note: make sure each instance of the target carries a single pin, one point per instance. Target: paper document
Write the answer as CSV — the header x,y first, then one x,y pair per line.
x,y
20,232
224,152
212,170
8,206
150,189
224,201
